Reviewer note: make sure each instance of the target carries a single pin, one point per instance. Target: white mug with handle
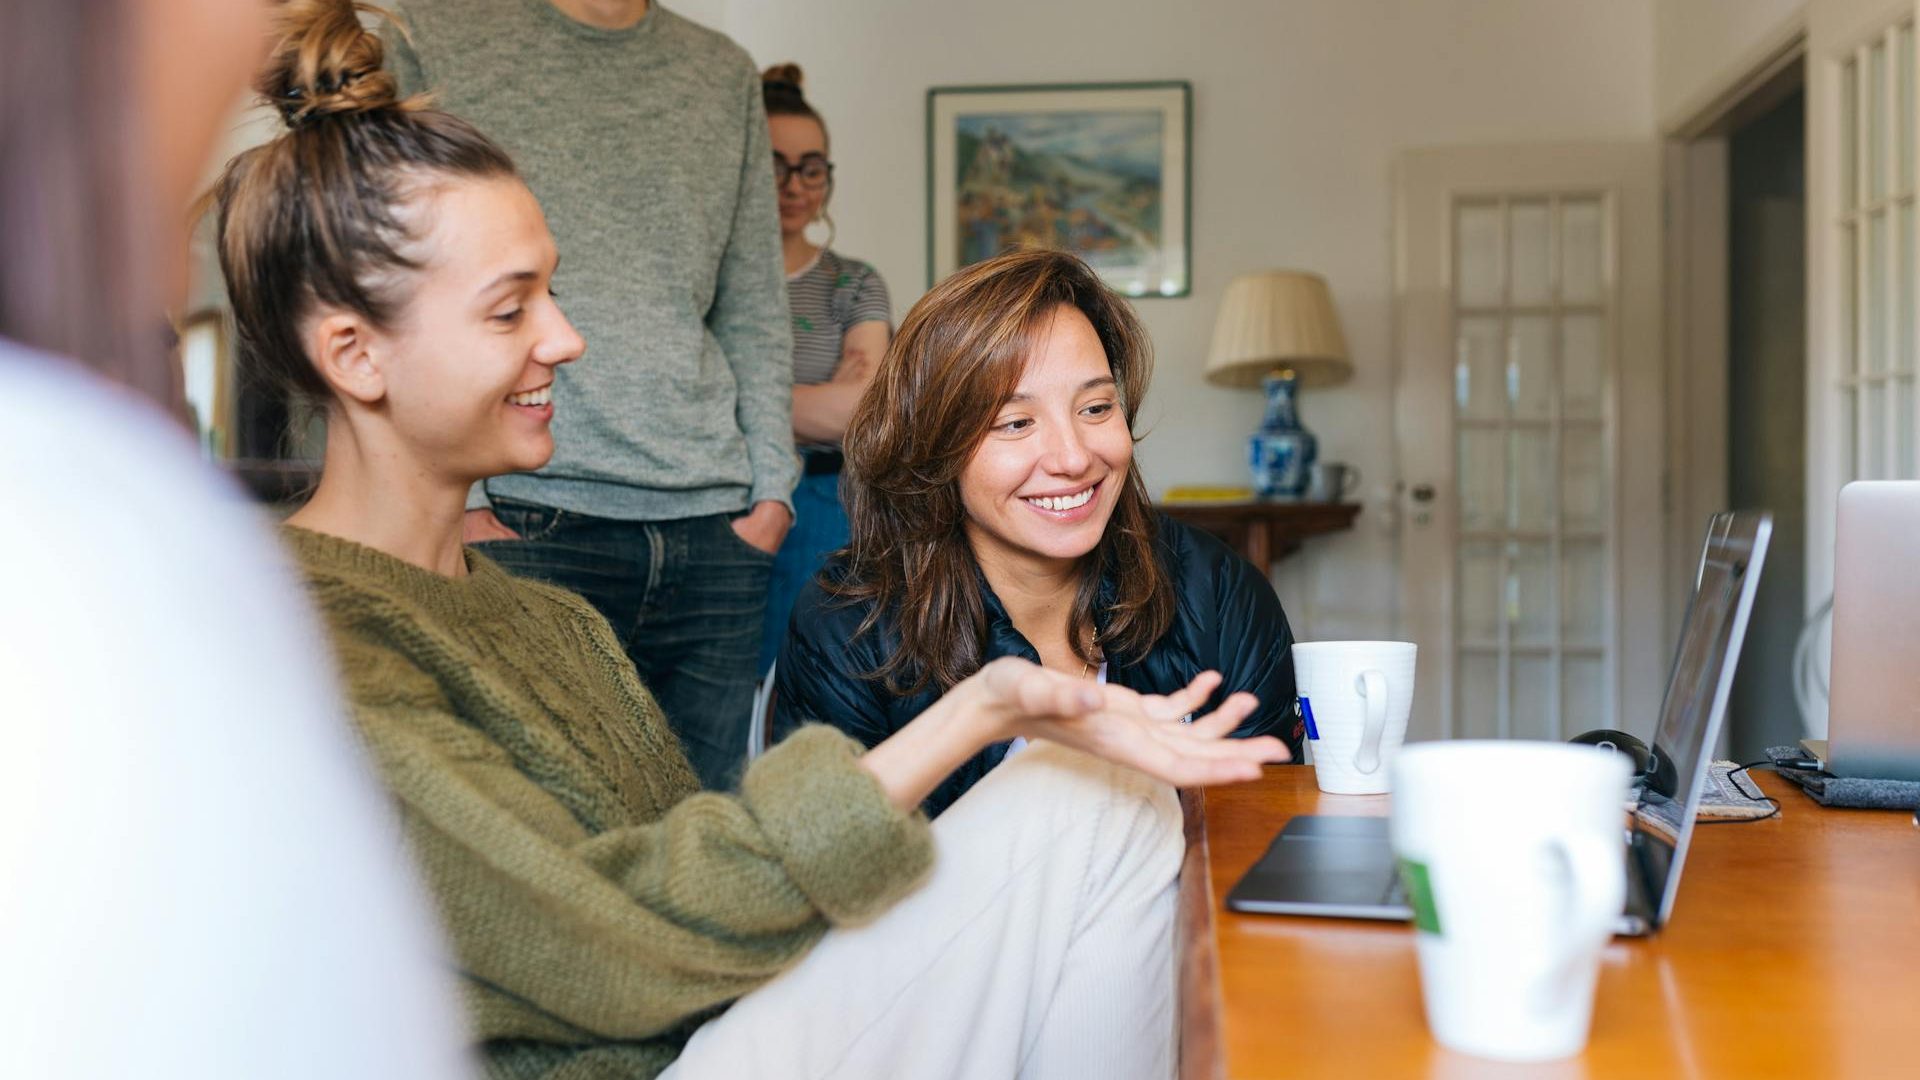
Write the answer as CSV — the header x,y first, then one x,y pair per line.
x,y
1355,697
1512,857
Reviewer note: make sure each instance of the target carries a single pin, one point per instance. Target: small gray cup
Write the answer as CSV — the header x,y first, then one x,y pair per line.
x,y
1332,482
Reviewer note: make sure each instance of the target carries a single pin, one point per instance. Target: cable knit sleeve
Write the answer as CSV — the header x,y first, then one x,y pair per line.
x,y
629,931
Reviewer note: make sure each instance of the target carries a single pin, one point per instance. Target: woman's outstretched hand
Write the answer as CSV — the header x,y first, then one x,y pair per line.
x,y
1142,731
1012,697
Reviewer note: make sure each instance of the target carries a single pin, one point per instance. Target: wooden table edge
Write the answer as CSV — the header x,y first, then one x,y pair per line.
x,y
1196,951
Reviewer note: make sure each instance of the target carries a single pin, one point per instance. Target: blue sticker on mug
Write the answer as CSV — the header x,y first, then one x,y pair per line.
x,y
1306,713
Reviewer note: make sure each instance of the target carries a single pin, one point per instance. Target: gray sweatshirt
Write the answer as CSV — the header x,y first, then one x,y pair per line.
x,y
648,150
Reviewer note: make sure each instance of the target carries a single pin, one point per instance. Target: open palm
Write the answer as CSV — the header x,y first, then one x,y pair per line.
x,y
1142,731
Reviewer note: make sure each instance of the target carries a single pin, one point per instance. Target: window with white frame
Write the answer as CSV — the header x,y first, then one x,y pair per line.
x,y
1874,368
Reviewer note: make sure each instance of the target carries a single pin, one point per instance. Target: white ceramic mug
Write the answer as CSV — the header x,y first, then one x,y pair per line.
x,y
1355,697
1513,859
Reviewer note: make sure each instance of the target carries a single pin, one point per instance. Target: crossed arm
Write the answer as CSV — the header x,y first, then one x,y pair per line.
x,y
821,410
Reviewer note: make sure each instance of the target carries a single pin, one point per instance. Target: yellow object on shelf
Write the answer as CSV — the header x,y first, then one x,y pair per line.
x,y
1202,494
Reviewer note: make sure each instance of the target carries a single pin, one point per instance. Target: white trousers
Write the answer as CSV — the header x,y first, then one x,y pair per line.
x,y
1041,946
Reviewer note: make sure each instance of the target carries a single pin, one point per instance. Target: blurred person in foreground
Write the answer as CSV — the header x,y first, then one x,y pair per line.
x,y
198,876
387,260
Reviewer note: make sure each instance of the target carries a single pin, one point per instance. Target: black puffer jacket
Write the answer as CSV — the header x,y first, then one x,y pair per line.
x,y
1227,619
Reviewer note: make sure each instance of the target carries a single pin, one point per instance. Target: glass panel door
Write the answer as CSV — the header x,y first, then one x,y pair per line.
x,y
1533,311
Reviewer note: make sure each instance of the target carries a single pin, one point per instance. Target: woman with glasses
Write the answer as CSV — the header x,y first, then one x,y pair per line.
x,y
840,329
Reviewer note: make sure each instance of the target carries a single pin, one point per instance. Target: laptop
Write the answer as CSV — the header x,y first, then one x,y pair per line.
x,y
1873,706
1343,866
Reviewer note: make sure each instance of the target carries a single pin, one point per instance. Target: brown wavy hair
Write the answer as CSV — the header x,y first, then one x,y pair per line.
x,y
316,216
957,359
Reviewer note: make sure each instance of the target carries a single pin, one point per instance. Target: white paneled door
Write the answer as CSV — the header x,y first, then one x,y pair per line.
x,y
1529,422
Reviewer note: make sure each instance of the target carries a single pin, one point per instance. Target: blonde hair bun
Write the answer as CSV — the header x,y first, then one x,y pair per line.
x,y
325,62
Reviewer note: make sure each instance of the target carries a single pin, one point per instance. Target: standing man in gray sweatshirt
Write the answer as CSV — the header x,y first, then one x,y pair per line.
x,y
645,139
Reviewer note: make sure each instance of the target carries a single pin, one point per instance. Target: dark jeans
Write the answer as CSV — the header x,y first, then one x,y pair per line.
x,y
686,599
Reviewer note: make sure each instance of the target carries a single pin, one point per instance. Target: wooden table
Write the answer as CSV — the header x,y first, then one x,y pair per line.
x,y
1794,950
1264,532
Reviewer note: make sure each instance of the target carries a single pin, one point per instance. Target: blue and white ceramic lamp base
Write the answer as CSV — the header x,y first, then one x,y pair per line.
x,y
1281,453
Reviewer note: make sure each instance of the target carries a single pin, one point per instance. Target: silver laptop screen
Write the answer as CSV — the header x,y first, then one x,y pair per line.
x,y
1696,700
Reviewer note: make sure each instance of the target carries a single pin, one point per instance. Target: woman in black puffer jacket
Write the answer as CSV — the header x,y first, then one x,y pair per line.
x,y
997,511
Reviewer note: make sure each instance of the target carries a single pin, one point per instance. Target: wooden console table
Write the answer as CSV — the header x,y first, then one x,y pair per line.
x,y
1794,950
1264,532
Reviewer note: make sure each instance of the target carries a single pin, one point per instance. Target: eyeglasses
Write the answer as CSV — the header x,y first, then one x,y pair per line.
x,y
814,171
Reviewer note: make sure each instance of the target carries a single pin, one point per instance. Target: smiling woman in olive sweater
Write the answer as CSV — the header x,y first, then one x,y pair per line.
x,y
386,261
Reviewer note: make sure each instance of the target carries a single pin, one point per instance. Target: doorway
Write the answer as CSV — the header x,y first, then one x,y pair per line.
x,y
1736,291
1766,409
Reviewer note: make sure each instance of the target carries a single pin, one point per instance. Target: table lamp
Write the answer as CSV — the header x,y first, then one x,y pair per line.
x,y
1277,330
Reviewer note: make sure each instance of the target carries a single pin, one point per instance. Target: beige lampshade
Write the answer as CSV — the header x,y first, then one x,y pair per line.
x,y
1277,319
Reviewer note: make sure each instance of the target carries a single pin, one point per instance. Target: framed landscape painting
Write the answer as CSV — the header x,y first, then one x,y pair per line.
x,y
1099,170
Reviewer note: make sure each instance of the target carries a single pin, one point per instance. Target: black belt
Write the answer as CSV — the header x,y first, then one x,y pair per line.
x,y
822,462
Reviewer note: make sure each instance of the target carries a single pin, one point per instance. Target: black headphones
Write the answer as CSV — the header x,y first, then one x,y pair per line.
x,y
1652,769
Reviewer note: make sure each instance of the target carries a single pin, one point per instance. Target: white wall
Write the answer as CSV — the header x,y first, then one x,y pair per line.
x,y
1700,46
1299,108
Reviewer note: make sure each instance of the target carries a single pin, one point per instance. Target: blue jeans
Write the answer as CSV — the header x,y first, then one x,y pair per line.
x,y
685,598
819,527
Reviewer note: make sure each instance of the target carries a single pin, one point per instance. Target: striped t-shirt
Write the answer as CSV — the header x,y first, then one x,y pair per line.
x,y
828,297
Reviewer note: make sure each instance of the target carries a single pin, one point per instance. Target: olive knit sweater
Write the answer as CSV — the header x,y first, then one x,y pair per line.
x,y
601,906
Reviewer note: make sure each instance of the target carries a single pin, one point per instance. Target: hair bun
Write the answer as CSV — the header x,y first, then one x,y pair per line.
x,y
788,73
325,62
